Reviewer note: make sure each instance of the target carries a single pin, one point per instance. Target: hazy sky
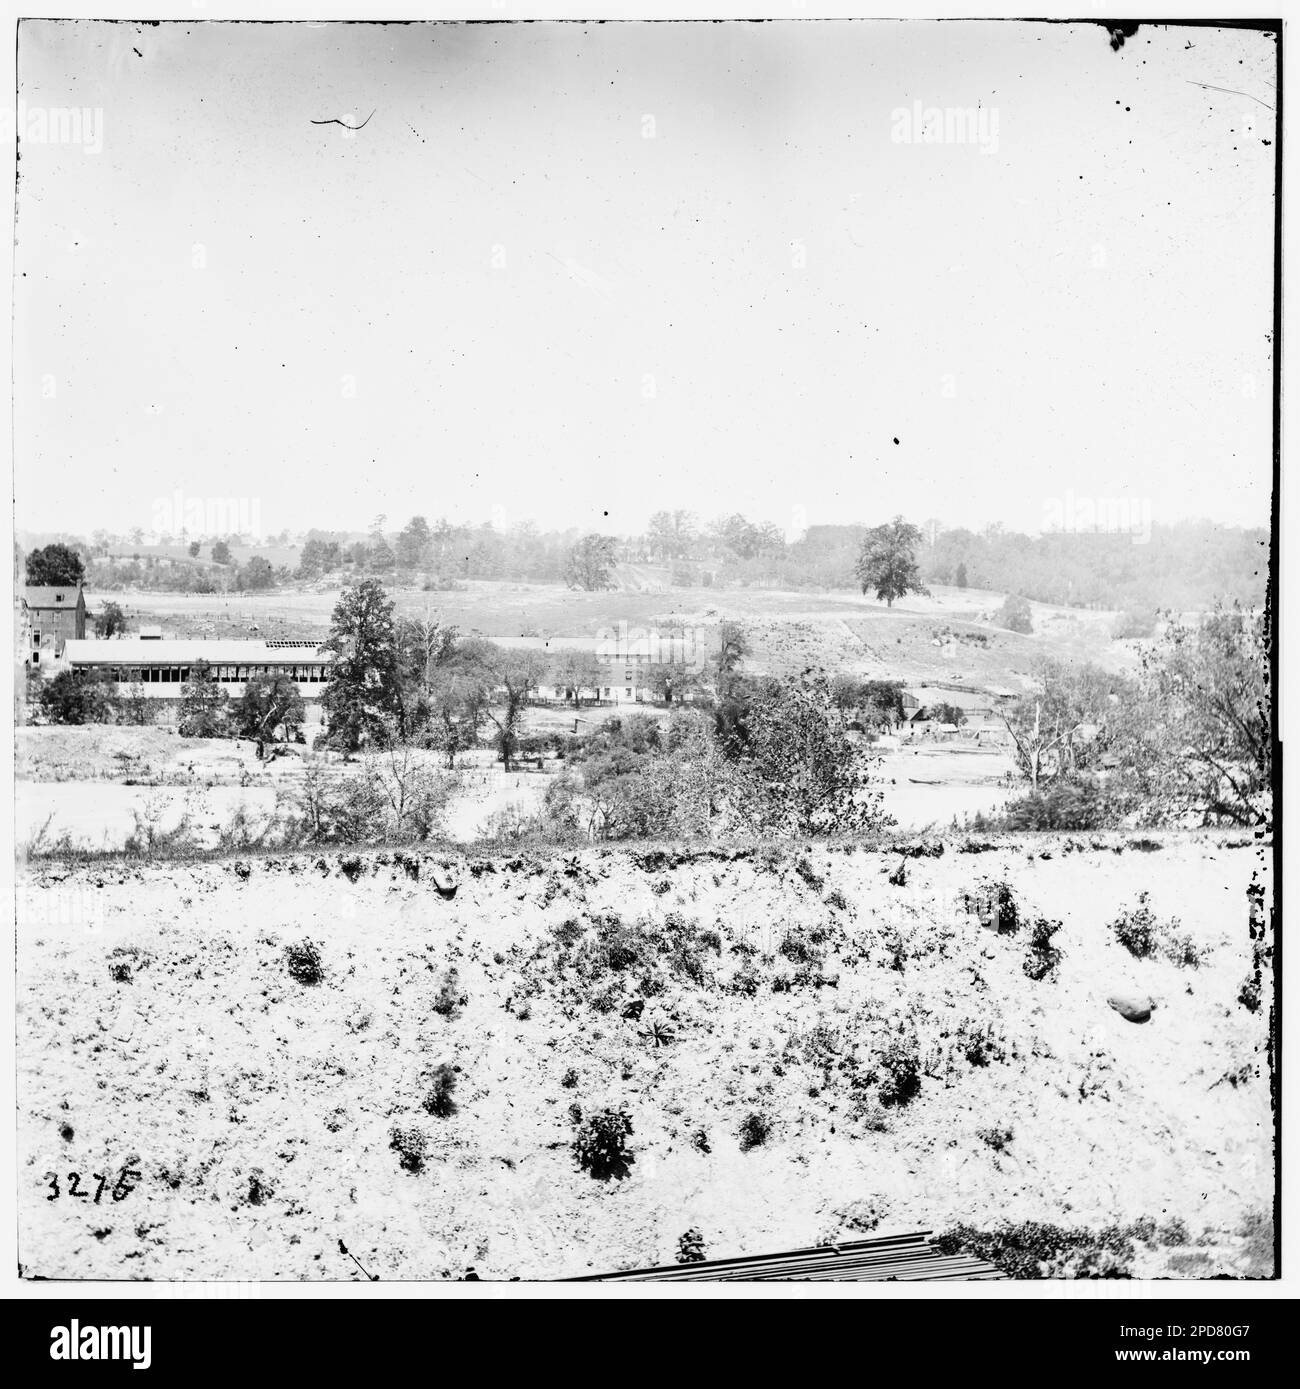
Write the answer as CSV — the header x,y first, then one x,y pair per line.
x,y
573,269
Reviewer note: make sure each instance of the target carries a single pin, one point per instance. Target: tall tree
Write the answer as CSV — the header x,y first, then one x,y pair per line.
x,y
110,621
413,543
364,685
590,563
887,561
205,706
268,704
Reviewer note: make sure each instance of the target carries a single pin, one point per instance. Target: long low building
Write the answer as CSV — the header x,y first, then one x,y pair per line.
x,y
160,667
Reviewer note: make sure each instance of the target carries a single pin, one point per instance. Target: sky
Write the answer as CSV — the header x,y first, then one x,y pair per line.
x,y
577,273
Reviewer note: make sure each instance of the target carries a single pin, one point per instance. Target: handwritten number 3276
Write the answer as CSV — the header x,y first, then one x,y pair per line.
x,y
121,1189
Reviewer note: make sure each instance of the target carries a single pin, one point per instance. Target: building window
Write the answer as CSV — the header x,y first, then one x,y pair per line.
x,y
36,636
36,658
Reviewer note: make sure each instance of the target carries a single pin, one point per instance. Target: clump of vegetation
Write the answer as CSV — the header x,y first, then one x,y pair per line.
x,y
1041,956
999,1139
836,900
1143,935
439,1099
569,1079
700,1141
979,1043
450,998
411,1145
898,1070
601,1144
755,1130
995,905
690,1247
809,874
304,962
1031,1249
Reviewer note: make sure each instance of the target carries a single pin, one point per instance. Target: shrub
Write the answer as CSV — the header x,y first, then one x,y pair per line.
x,y
1143,936
601,1144
1041,956
995,905
1137,930
1077,803
898,1070
755,1130
997,1139
439,1099
411,1145
304,962
690,1247
569,1079
1015,615
450,999
1034,1250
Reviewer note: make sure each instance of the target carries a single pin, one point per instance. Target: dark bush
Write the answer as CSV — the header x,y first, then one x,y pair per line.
x,y
601,1144
450,998
439,1098
304,962
898,1071
411,1145
1041,956
755,1130
1035,1250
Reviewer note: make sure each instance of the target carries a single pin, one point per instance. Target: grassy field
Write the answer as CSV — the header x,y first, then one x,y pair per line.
x,y
936,637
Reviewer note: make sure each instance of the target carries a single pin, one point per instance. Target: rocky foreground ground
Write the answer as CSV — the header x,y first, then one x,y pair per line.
x,y
232,1070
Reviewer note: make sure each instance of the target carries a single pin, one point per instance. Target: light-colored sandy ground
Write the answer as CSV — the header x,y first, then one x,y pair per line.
x,y
159,1030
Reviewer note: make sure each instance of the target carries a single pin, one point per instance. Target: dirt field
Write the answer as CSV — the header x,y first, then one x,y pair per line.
x,y
161,1032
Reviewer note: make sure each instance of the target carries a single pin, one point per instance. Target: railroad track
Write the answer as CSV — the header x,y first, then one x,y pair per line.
x,y
907,1258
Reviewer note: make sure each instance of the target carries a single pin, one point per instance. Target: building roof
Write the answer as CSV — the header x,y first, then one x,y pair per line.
x,y
51,596
220,651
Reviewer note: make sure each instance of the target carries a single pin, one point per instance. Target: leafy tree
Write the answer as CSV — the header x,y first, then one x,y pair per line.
x,y
194,549
55,566
267,704
1064,726
459,692
363,690
578,672
806,777
1015,615
513,675
258,573
204,704
961,576
670,534
673,682
221,552
887,561
110,621
77,696
733,647
947,713
1207,715
590,563
413,543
